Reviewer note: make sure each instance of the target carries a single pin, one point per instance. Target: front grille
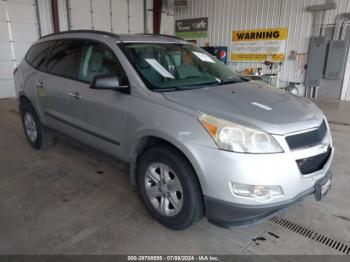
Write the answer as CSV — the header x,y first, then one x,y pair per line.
x,y
307,139
314,163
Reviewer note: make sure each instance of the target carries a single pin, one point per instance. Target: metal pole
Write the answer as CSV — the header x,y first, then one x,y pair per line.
x,y
55,16
38,17
322,19
9,28
145,16
111,14
128,3
68,15
157,15
92,15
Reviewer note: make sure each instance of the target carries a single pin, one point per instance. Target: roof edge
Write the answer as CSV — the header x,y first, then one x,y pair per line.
x,y
82,31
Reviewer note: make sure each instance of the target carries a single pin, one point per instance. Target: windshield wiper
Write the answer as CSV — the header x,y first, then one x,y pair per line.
x,y
182,88
196,86
231,81
167,89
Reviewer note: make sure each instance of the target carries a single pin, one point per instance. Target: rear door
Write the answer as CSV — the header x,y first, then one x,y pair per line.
x,y
36,57
100,114
61,68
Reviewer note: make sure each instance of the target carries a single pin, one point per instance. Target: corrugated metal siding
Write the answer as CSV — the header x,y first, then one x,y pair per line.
x,y
228,15
167,21
18,30
119,16
45,17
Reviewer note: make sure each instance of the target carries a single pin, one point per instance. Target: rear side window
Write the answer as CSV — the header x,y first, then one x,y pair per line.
x,y
37,55
64,58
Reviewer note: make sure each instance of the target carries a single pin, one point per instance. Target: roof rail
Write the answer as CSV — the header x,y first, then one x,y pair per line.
x,y
170,36
82,31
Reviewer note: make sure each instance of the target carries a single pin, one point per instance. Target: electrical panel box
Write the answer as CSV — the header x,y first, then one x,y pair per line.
x,y
315,61
336,59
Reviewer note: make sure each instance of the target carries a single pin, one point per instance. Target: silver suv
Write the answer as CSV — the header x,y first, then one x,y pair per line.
x,y
199,140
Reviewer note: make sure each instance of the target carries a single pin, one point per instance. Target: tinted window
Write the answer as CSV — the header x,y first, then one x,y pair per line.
x,y
37,55
98,60
63,58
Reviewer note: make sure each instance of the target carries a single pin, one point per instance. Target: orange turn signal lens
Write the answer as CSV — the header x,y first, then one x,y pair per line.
x,y
211,128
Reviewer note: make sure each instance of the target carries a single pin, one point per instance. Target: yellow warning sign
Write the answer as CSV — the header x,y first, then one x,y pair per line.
x,y
266,44
266,34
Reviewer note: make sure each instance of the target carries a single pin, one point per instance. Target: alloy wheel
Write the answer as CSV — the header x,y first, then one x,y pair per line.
x,y
30,127
164,189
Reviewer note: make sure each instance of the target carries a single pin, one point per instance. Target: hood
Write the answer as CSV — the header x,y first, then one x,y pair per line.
x,y
269,109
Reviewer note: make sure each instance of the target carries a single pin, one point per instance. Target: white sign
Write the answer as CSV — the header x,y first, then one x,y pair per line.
x,y
160,69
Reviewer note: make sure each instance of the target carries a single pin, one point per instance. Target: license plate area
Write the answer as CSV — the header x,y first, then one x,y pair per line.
x,y
323,186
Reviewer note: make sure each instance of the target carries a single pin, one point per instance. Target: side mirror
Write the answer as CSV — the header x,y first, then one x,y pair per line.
x,y
108,83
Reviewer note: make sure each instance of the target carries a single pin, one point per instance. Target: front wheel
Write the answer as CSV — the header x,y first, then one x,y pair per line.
x,y
169,188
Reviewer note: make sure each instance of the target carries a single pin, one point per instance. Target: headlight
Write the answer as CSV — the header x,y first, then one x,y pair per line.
x,y
259,192
233,137
327,140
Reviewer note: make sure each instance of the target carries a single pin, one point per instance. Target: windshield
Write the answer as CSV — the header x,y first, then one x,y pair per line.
x,y
176,66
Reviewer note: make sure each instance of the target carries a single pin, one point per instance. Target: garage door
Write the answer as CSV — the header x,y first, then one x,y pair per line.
x,y
18,30
119,16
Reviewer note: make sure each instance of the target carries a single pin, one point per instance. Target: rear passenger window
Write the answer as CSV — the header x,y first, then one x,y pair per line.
x,y
97,60
37,55
63,58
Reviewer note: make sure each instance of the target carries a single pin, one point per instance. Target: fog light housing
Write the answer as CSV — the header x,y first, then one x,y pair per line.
x,y
259,192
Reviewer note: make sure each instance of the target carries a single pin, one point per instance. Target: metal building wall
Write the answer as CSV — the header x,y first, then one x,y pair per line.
x,y
18,30
228,15
167,20
119,16
45,17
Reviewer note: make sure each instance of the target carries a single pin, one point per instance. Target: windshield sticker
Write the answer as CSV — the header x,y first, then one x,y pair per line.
x,y
160,69
204,57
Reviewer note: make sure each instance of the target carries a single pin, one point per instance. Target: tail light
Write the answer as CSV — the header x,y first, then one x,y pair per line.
x,y
14,71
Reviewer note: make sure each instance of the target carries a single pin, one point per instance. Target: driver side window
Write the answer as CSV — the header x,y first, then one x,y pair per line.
x,y
97,60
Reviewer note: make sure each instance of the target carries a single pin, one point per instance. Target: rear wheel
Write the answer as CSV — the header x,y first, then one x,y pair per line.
x,y
169,188
36,134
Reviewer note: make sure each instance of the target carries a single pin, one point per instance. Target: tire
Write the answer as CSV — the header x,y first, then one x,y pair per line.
x,y
178,203
39,138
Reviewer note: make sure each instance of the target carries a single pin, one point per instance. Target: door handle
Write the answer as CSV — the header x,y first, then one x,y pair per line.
x,y
40,84
75,95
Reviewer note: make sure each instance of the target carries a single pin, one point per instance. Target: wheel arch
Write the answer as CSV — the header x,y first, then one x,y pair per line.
x,y
148,141
23,99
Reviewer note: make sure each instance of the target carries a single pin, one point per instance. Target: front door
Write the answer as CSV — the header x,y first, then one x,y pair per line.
x,y
100,114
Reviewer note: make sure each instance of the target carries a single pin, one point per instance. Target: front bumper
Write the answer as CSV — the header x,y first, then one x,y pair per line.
x,y
216,169
226,214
